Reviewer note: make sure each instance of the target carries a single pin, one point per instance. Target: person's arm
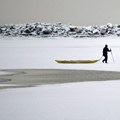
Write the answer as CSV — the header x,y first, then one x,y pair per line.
x,y
109,50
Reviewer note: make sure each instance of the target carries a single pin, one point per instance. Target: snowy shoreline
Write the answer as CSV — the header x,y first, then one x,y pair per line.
x,y
59,30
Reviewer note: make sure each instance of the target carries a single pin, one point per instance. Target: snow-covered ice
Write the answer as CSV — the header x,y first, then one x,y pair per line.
x,y
23,52
79,101
73,101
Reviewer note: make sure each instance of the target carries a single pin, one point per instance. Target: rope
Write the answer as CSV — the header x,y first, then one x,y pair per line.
x,y
100,58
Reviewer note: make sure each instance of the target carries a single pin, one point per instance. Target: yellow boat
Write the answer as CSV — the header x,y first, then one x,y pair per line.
x,y
76,61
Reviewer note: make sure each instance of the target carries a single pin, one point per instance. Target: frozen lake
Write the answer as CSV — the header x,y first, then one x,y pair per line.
x,y
80,101
73,101
19,53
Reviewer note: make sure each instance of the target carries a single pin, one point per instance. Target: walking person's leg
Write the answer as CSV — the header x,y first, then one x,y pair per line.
x,y
106,59
103,59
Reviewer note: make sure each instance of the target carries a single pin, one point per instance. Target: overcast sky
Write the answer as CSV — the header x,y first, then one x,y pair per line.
x,y
76,12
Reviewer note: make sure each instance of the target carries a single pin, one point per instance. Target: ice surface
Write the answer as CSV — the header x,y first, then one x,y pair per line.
x,y
79,101
41,53
73,101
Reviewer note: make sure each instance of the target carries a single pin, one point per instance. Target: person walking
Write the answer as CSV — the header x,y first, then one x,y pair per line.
x,y
105,53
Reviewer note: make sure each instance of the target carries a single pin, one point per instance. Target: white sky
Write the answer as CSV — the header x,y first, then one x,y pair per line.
x,y
76,12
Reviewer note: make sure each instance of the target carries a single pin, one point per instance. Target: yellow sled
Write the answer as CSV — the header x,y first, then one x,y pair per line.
x,y
76,61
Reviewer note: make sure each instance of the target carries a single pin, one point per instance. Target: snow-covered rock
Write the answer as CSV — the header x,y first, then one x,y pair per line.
x,y
59,29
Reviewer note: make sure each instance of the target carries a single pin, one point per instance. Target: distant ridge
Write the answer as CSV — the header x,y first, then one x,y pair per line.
x,y
59,30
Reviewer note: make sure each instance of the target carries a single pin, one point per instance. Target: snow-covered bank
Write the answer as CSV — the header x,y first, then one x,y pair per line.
x,y
59,29
81,101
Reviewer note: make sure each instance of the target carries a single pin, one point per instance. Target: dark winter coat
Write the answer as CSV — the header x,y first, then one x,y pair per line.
x,y
105,51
